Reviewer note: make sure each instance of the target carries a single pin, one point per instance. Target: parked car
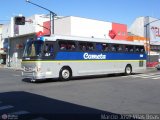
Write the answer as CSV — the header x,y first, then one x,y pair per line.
x,y
158,67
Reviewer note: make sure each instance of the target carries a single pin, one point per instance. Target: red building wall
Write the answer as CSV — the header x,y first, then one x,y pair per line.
x,y
46,28
120,31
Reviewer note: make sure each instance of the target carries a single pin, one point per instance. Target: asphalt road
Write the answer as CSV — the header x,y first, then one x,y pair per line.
x,y
88,97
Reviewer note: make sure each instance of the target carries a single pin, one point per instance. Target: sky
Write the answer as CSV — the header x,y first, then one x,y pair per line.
x,y
118,11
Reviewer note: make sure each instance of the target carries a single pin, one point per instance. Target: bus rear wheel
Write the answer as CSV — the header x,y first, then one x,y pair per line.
x,y
65,74
128,70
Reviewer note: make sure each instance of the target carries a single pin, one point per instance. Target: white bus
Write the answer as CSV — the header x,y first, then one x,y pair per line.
x,y
65,57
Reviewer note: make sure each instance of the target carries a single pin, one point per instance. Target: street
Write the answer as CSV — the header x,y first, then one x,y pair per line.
x,y
112,94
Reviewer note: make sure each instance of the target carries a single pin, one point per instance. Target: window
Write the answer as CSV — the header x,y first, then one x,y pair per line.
x,y
82,46
90,46
105,47
71,45
62,45
86,46
129,48
139,49
102,47
120,48
67,45
99,47
113,47
49,49
34,48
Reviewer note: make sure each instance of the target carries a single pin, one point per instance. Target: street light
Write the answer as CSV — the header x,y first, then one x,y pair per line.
x,y
148,43
52,15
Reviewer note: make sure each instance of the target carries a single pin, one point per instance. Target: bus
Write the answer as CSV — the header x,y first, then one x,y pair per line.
x,y
65,57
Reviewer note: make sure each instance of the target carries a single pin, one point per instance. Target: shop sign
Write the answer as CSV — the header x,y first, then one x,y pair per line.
x,y
112,34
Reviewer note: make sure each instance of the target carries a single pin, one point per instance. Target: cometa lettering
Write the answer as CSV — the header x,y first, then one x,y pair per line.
x,y
94,56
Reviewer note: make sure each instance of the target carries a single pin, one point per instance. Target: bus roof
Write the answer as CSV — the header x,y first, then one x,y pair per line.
x,y
65,37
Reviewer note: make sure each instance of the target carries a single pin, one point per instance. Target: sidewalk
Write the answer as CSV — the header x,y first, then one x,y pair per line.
x,y
2,66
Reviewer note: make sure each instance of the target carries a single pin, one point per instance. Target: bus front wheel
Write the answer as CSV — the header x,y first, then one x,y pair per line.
x,y
128,70
65,74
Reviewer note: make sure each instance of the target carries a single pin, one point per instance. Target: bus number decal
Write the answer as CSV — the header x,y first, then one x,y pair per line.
x,y
141,55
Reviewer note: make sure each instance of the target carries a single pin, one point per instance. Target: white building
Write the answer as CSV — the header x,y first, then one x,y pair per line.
x,y
1,43
83,27
2,53
147,27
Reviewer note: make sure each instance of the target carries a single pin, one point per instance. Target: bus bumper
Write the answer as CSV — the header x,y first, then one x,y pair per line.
x,y
33,75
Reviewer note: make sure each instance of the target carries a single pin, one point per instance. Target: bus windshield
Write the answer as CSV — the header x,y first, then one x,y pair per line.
x,y
33,48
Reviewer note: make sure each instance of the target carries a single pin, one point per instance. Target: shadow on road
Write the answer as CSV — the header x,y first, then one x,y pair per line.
x,y
91,77
39,106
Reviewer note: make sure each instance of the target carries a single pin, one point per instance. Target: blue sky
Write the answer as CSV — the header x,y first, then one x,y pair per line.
x,y
119,11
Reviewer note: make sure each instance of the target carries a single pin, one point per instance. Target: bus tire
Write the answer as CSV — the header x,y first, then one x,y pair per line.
x,y
128,70
65,74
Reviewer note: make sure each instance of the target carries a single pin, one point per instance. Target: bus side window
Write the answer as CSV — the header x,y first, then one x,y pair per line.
x,y
102,47
90,46
142,50
49,49
126,49
71,45
99,47
105,47
113,48
82,46
62,45
120,48
139,49
129,48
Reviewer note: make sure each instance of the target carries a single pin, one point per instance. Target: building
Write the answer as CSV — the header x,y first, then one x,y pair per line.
x,y
148,27
2,50
15,36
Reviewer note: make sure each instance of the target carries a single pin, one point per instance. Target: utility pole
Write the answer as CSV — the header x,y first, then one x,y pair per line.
x,y
9,59
52,15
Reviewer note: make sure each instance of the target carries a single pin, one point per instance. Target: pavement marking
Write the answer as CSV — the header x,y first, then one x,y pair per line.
x,y
6,107
156,78
19,113
124,76
150,75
